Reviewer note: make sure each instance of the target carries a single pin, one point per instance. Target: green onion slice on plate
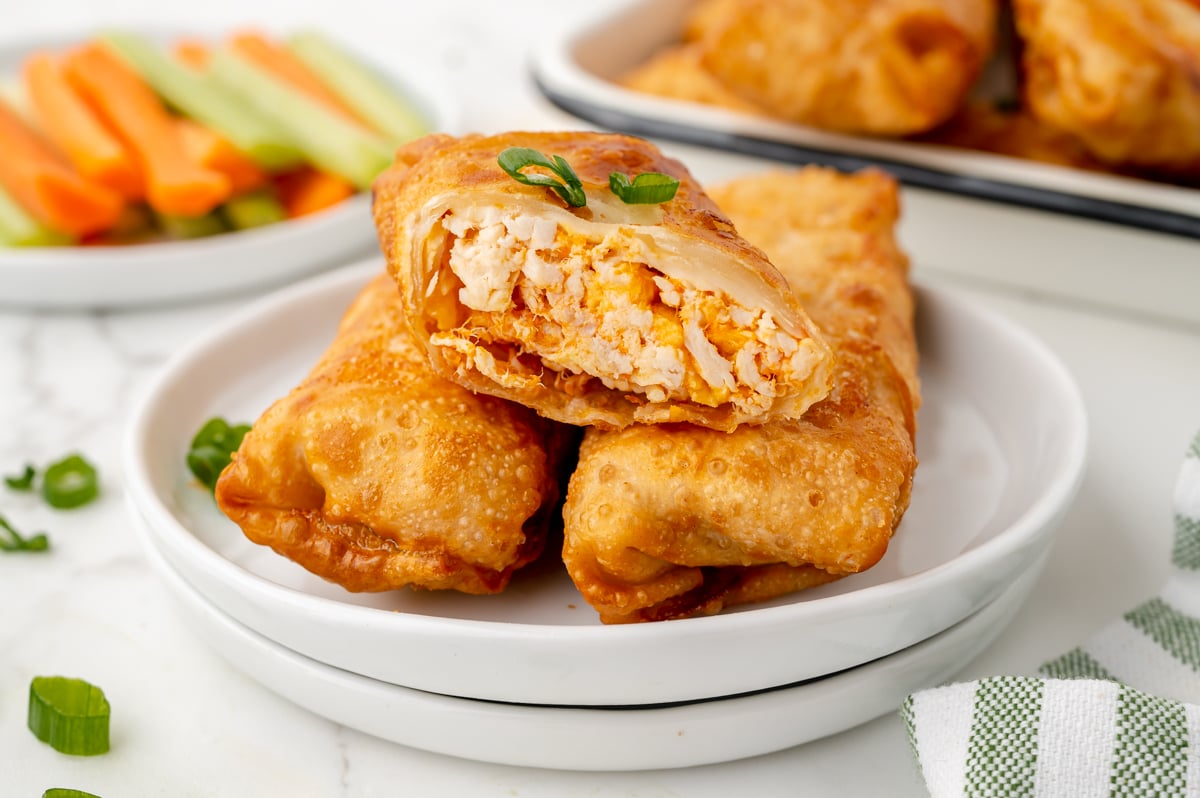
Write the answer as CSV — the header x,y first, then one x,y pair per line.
x,y
213,448
63,792
514,159
71,482
69,714
648,188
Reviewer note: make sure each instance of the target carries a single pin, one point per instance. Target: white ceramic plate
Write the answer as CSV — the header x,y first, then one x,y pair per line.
x,y
178,271
617,738
1002,440
578,72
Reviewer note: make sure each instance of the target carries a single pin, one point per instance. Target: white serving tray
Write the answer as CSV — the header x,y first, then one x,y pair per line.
x,y
1115,241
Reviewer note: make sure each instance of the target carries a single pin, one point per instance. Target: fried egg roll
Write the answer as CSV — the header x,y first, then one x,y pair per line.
x,y
879,67
674,520
1123,76
376,474
678,72
606,314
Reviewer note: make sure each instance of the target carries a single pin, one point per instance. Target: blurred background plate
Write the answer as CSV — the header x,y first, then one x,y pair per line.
x,y
1002,439
580,72
1117,242
91,277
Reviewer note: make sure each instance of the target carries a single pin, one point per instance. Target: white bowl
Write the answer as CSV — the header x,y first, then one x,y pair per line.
x,y
1002,441
69,278
597,738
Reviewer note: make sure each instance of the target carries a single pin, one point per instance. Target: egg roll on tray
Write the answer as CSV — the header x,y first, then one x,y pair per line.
x,y
878,67
1122,76
673,520
606,314
376,474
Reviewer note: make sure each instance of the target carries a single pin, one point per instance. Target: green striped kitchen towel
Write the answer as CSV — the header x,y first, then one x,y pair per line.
x,y
1116,716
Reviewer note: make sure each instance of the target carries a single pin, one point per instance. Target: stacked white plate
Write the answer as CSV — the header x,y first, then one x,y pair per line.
x,y
530,677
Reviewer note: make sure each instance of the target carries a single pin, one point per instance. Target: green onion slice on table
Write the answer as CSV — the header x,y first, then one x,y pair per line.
x,y
71,482
648,188
514,159
69,714
213,448
22,481
12,540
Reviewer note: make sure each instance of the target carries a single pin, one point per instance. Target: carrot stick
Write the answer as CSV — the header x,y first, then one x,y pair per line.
x,y
175,183
74,128
193,53
44,185
214,151
279,61
309,190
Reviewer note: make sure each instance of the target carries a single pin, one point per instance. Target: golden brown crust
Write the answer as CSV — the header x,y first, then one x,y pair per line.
x,y
981,126
1122,76
375,474
668,522
678,73
880,67
437,177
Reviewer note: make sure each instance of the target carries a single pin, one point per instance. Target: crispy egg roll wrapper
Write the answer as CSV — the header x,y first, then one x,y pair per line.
x,y
1020,134
674,521
879,67
678,73
1123,76
376,474
604,315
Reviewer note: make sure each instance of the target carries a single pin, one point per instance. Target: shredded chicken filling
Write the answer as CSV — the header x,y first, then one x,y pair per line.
x,y
592,308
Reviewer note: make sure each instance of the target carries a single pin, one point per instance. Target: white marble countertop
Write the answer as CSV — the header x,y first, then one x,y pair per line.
x,y
186,724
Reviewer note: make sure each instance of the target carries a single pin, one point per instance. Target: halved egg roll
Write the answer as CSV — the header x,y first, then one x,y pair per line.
x,y
674,520
1123,76
375,474
606,314
881,67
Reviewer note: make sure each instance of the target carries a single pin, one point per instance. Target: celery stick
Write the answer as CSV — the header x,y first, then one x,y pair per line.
x,y
362,89
191,226
200,96
328,141
19,229
254,209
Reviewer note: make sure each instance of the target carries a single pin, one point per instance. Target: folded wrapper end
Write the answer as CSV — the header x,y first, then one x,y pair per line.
x,y
376,475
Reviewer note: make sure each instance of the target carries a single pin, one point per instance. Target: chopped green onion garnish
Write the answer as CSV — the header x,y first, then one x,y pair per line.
x,y
648,188
69,714
61,792
23,481
213,448
12,540
71,482
514,159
